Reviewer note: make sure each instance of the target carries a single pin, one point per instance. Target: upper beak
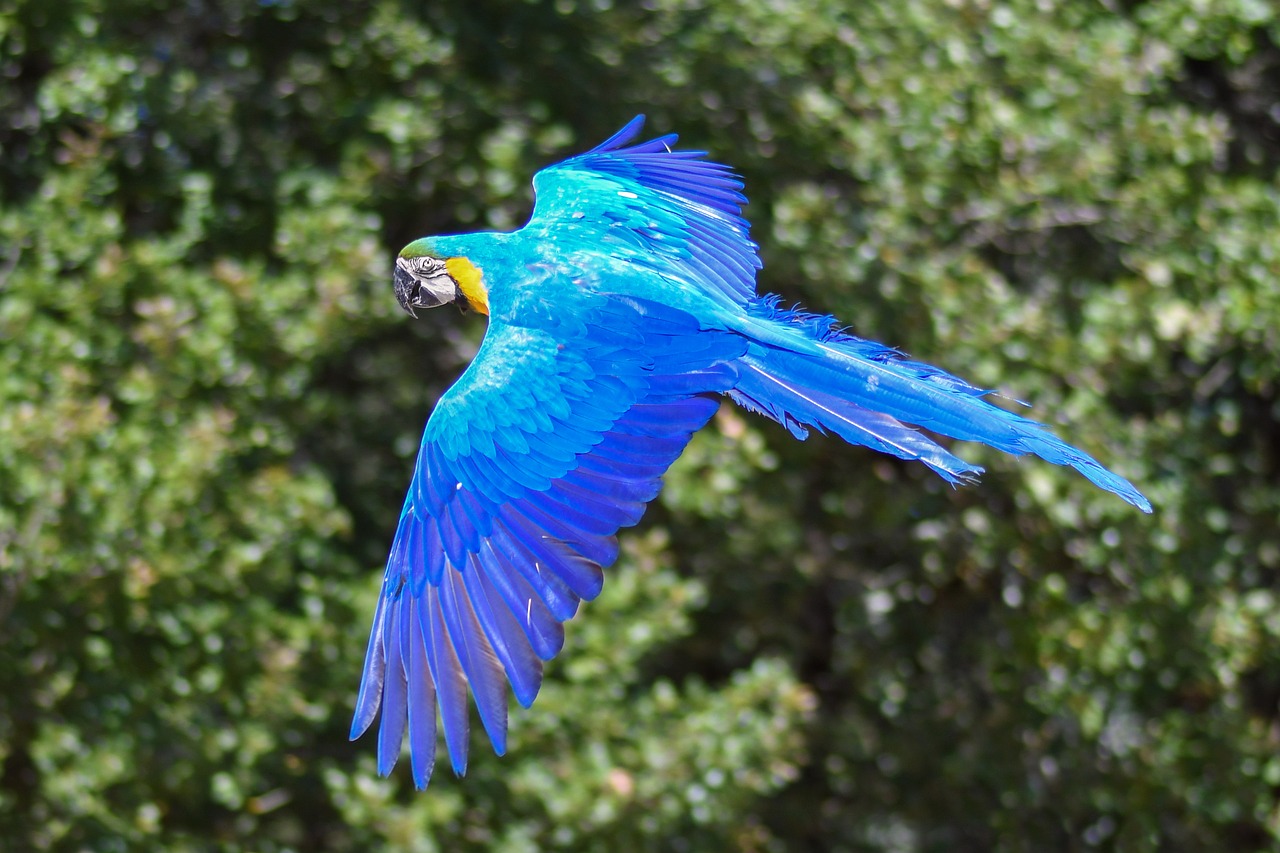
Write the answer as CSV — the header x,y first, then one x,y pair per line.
x,y
406,287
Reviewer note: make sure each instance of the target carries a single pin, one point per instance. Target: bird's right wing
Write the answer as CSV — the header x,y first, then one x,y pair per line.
x,y
652,204
552,439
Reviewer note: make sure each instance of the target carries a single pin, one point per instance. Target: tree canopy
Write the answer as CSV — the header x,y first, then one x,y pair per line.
x,y
210,402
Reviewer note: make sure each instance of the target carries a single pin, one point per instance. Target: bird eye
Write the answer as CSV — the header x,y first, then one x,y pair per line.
x,y
425,267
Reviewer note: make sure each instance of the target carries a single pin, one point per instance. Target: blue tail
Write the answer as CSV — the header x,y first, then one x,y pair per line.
x,y
802,372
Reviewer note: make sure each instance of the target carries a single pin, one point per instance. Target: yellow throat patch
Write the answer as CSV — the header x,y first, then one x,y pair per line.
x,y
470,282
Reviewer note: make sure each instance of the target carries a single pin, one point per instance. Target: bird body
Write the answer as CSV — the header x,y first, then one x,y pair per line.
x,y
619,317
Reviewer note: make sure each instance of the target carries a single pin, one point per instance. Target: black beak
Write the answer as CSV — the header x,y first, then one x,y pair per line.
x,y
406,289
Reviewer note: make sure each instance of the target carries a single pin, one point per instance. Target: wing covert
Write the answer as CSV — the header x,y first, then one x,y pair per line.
x,y
530,463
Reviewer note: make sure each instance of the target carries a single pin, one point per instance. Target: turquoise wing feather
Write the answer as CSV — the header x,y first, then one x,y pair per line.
x,y
668,210
549,443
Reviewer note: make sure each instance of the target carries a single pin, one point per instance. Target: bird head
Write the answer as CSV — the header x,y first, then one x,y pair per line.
x,y
426,277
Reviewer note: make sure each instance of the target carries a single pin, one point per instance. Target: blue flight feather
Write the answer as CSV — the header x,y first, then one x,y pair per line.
x,y
527,605
446,673
396,686
481,666
522,666
369,697
422,707
540,568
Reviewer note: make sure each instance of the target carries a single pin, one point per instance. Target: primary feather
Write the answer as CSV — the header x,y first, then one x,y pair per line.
x,y
619,316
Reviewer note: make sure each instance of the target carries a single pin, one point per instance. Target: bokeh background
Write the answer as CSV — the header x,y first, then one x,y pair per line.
x,y
210,402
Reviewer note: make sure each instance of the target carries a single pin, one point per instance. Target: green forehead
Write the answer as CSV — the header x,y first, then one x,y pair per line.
x,y
419,249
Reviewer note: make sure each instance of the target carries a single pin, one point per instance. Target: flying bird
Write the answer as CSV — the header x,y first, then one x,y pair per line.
x,y
618,318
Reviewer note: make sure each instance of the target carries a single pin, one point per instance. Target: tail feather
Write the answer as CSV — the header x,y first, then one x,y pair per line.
x,y
802,372
796,407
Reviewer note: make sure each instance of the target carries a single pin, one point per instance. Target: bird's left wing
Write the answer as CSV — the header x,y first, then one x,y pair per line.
x,y
551,440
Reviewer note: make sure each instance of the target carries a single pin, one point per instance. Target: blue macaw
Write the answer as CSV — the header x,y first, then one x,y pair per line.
x,y
618,317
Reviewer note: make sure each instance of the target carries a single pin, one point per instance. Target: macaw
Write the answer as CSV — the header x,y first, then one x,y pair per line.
x,y
618,318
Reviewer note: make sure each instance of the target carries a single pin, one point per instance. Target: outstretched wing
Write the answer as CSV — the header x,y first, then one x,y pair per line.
x,y
652,205
549,442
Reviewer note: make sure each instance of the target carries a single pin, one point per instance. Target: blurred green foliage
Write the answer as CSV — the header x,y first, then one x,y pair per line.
x,y
209,406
